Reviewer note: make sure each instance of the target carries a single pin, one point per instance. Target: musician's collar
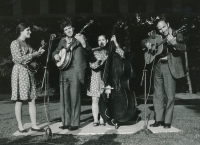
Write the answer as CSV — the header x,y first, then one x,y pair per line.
x,y
68,39
170,31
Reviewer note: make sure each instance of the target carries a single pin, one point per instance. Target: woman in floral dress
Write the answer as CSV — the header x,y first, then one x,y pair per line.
x,y
23,82
95,87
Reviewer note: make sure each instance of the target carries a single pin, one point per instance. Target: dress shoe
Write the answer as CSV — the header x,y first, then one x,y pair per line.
x,y
157,123
23,131
167,126
102,123
64,127
38,130
95,123
73,128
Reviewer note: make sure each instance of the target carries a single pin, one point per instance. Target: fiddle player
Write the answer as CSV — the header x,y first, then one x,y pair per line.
x,y
167,70
71,79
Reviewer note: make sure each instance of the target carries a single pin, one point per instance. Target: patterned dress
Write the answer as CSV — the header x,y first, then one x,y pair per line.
x,y
96,85
96,82
22,80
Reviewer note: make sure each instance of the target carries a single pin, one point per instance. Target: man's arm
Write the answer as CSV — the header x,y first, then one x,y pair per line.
x,y
180,45
83,41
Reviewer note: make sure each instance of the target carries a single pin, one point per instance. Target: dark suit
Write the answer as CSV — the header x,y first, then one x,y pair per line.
x,y
165,74
70,82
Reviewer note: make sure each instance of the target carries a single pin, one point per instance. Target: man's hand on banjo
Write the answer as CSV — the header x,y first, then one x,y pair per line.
x,y
81,39
57,57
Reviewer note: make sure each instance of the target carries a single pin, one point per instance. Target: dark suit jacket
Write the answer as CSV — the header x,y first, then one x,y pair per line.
x,y
173,56
78,55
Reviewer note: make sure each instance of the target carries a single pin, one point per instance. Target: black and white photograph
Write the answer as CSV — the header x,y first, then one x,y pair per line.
x,y
100,72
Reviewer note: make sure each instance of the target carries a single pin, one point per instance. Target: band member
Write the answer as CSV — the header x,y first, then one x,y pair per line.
x,y
23,82
167,70
97,59
71,79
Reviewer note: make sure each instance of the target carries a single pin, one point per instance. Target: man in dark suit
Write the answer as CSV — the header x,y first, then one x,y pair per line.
x,y
167,70
73,76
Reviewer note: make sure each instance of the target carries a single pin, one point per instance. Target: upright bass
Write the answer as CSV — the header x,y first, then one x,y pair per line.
x,y
120,106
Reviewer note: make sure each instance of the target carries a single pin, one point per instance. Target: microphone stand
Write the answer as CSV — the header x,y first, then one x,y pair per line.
x,y
145,128
45,83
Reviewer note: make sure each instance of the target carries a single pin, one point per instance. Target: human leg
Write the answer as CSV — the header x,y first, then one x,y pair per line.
x,y
101,121
75,97
158,99
95,109
170,87
65,103
32,112
18,114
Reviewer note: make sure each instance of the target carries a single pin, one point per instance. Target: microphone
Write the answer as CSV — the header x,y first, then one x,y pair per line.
x,y
96,48
54,36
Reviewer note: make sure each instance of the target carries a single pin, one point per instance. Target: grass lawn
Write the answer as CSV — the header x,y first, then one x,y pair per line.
x,y
186,118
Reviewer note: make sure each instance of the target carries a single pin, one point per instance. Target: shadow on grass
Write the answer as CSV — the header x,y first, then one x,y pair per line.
x,y
107,139
57,139
86,111
192,104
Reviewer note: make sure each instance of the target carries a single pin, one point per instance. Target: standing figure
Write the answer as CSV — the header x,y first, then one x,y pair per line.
x,y
72,77
97,59
167,70
23,81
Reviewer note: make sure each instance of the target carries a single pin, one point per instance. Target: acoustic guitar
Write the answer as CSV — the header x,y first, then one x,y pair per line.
x,y
157,46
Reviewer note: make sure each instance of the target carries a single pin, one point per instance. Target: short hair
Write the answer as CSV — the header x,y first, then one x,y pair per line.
x,y
65,22
161,18
21,28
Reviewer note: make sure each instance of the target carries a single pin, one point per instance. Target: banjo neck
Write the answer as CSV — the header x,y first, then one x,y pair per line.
x,y
66,53
70,48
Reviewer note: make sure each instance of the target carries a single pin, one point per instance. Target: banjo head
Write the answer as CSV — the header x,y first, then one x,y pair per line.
x,y
65,59
62,55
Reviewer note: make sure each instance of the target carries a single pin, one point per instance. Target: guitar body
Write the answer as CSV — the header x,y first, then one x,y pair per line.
x,y
33,66
149,56
65,60
157,46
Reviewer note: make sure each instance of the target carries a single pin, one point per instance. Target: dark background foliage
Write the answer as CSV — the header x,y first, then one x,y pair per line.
x,y
138,26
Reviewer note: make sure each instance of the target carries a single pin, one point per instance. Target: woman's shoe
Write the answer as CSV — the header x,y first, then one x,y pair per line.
x,y
23,131
38,130
102,123
95,123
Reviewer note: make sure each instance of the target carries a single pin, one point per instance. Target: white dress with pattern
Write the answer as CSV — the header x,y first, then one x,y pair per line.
x,y
22,80
95,85
96,81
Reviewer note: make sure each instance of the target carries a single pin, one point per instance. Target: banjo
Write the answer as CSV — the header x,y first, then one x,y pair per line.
x,y
65,54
